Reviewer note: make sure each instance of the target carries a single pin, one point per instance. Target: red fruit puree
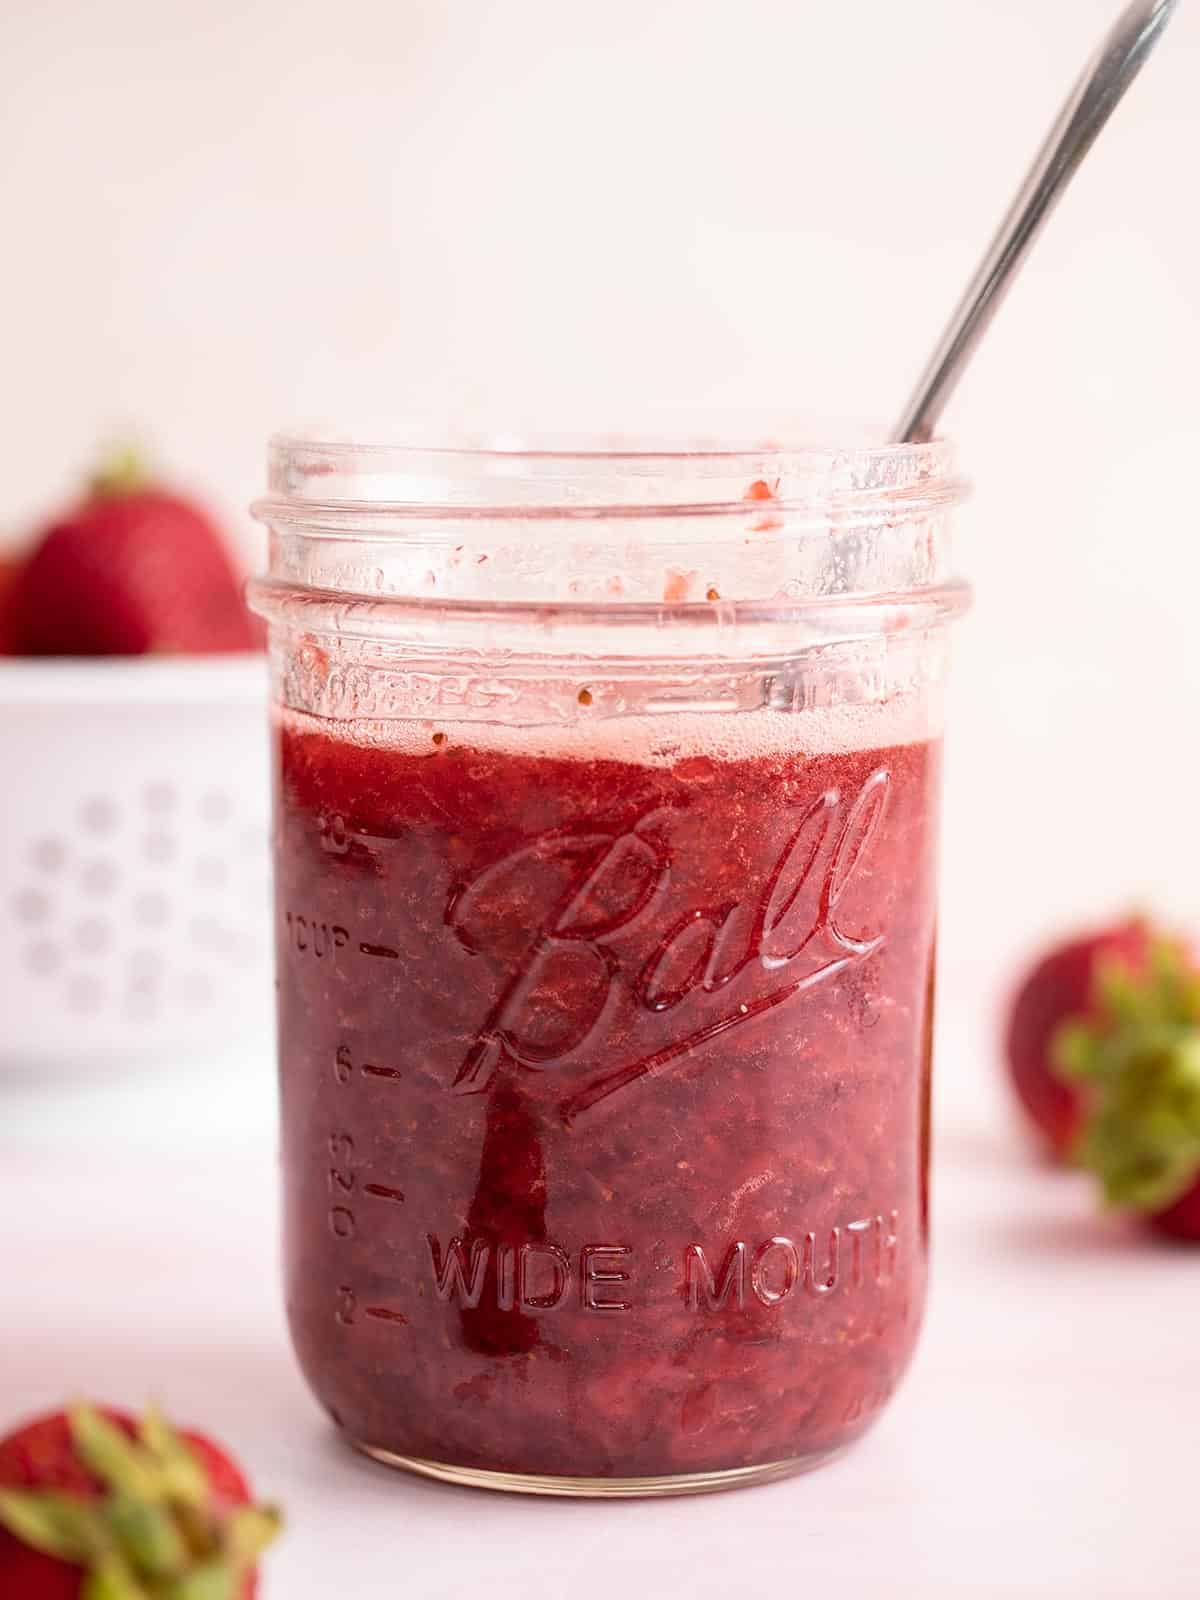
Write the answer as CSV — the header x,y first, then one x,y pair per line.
x,y
605,1085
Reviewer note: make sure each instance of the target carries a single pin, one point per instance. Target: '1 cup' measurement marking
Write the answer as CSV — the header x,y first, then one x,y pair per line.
x,y
383,951
313,936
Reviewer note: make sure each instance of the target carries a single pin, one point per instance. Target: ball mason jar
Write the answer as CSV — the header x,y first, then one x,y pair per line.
x,y
606,813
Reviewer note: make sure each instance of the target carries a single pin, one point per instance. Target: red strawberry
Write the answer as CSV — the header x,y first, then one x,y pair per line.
x,y
1061,986
96,1506
129,571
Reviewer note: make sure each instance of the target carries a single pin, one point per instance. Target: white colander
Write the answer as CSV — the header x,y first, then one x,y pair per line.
x,y
134,915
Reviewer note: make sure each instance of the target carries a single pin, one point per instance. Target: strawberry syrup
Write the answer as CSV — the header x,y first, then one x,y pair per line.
x,y
605,1094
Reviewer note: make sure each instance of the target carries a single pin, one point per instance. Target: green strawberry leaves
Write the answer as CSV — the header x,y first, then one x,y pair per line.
x,y
249,1531
153,1534
55,1523
214,1580
122,471
149,1536
183,1476
1137,1055
112,1580
114,1458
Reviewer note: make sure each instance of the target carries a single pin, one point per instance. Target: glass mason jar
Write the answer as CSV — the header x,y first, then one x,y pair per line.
x,y
606,821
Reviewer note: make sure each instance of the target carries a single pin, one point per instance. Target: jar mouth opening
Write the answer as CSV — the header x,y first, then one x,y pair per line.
x,y
320,474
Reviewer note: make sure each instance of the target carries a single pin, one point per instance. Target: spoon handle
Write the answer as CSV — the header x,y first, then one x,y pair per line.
x,y
1105,79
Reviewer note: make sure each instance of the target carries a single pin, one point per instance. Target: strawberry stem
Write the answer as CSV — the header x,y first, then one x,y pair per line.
x,y
123,470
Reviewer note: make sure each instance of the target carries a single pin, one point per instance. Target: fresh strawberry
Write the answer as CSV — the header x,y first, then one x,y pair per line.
x,y
97,1506
1134,1056
131,570
1061,986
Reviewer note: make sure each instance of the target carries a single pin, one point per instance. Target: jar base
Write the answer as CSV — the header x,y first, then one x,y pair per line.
x,y
599,1488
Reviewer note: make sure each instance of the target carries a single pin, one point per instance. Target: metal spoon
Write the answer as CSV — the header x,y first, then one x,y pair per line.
x,y
1107,76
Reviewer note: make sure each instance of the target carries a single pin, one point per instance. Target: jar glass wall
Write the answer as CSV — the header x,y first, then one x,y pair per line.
x,y
606,820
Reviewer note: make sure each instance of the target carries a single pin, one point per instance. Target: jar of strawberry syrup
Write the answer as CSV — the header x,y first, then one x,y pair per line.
x,y
605,826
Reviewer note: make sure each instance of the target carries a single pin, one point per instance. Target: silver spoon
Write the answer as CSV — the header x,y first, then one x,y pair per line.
x,y
1107,76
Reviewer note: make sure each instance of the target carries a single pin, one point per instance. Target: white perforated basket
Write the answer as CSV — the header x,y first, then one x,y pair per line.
x,y
134,898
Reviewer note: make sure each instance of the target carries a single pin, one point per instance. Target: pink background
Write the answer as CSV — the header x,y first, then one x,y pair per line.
x,y
218,218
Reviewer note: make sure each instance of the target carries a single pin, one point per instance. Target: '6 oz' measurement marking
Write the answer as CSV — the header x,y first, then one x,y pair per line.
x,y
341,1184
343,1067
